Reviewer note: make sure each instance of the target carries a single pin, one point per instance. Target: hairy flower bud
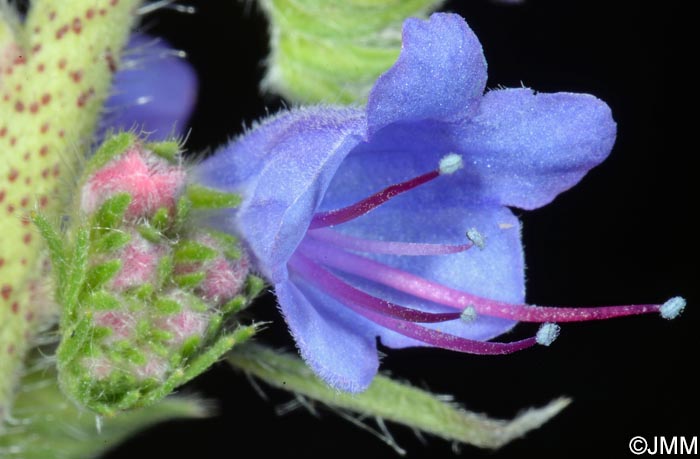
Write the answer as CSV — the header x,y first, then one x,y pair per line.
x,y
148,301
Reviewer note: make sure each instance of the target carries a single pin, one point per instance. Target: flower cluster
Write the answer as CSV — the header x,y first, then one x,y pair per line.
x,y
365,220
148,300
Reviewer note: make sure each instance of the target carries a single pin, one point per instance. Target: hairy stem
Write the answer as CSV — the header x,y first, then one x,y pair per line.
x,y
52,86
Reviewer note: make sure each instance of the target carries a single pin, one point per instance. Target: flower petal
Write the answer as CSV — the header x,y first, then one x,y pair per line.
x,y
282,169
157,95
396,153
524,148
439,75
336,343
496,272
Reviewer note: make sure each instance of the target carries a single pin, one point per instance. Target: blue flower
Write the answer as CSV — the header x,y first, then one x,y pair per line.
x,y
364,220
155,91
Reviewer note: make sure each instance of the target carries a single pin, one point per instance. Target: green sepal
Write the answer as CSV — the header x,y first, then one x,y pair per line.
x,y
114,145
100,274
237,304
167,306
111,241
73,342
189,347
102,301
111,212
161,219
143,292
165,269
254,286
204,198
189,281
229,244
101,333
150,233
183,207
192,252
67,294
54,241
168,150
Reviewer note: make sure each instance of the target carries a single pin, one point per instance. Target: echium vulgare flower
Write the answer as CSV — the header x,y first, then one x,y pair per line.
x,y
143,99
364,220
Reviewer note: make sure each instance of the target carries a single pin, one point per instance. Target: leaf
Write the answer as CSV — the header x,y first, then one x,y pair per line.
x,y
393,401
332,51
60,430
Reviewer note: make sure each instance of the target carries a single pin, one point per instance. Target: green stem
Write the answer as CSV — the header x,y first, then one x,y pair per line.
x,y
51,95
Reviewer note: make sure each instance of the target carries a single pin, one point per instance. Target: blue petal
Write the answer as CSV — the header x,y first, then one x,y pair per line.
x,y
395,154
523,148
440,74
282,170
496,272
335,342
157,95
520,149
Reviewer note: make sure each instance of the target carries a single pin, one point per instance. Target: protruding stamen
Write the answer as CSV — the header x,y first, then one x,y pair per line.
x,y
313,274
547,333
385,247
447,341
347,294
438,293
468,315
476,237
338,216
672,308
449,164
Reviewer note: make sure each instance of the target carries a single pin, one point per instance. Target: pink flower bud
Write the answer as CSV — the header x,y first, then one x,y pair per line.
x,y
151,181
140,259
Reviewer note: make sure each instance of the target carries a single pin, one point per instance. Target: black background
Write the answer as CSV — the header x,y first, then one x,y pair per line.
x,y
622,236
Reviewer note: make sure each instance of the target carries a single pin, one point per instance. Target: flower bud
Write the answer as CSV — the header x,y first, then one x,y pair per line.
x,y
148,299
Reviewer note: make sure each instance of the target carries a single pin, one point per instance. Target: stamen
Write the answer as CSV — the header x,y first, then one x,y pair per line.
x,y
476,237
340,290
435,292
305,267
338,216
385,247
672,308
547,333
449,164
468,315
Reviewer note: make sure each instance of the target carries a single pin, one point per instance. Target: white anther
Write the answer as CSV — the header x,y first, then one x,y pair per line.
x,y
547,333
476,237
672,308
143,100
449,164
468,315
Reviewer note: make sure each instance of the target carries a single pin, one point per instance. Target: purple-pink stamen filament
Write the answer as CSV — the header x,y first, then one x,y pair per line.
x,y
309,270
437,293
340,290
351,212
385,247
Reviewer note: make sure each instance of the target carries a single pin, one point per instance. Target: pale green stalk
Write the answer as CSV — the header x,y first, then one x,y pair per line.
x,y
56,72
